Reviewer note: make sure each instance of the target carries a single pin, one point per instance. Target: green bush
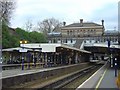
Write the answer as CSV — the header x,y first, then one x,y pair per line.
x,y
12,40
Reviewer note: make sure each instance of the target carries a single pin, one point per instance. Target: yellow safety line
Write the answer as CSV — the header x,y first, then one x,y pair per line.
x,y
100,80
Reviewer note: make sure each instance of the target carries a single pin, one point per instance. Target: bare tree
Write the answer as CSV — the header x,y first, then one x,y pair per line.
x,y
48,25
6,9
28,25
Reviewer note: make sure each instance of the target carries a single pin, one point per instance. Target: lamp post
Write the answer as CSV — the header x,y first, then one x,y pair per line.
x,y
109,49
115,61
115,66
22,42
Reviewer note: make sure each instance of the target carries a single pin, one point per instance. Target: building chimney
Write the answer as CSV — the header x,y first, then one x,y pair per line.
x,y
103,26
64,23
81,22
102,22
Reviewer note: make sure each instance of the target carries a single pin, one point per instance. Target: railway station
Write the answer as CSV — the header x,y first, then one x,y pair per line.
x,y
82,55
56,61
71,62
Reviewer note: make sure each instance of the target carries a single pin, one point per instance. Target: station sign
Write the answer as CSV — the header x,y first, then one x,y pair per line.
x,y
23,50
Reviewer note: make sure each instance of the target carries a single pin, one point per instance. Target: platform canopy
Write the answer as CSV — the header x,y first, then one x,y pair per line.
x,y
15,49
50,47
102,48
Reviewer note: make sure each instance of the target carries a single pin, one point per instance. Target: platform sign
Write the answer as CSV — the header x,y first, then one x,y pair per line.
x,y
23,50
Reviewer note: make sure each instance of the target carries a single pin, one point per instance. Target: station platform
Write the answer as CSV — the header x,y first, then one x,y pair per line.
x,y
18,76
104,78
17,72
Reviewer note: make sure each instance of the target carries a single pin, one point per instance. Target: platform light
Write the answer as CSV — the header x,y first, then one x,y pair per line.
x,y
25,41
21,42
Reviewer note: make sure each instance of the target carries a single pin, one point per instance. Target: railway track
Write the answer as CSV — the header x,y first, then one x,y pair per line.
x,y
66,81
63,81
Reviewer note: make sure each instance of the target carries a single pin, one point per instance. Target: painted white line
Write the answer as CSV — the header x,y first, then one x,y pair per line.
x,y
91,77
99,82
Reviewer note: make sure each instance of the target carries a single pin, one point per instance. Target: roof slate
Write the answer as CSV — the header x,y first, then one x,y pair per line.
x,y
85,24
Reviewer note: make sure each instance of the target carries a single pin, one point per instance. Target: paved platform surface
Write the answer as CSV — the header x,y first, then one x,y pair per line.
x,y
109,79
16,72
103,78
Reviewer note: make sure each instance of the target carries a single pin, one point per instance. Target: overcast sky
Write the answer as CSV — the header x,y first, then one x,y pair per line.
x,y
67,10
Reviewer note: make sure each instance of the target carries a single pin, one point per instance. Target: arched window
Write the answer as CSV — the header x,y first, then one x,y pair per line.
x,y
54,40
68,32
71,40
